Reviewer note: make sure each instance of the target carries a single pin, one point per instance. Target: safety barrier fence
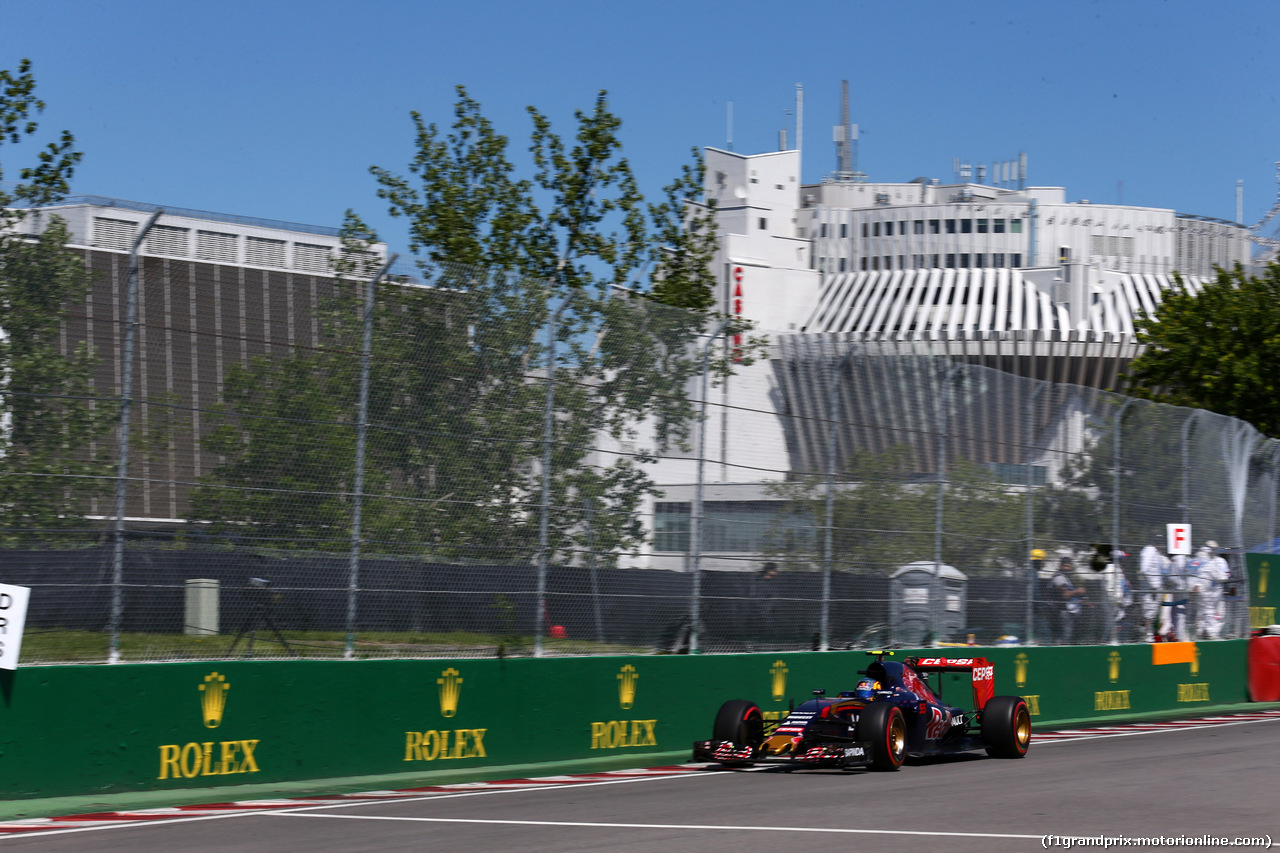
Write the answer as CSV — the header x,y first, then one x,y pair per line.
x,y
448,462
78,730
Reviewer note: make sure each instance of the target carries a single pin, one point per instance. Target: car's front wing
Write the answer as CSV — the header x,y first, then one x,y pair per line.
x,y
815,754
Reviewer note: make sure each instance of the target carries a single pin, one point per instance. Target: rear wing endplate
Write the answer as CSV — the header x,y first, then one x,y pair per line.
x,y
981,669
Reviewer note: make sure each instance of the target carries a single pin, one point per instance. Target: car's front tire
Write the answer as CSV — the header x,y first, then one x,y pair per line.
x,y
882,725
1006,727
740,722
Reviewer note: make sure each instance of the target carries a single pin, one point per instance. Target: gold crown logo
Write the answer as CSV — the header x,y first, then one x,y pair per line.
x,y
1195,662
213,699
1113,671
1020,669
1263,571
778,684
627,686
450,682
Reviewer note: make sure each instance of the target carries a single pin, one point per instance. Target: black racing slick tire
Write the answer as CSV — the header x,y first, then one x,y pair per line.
x,y
882,725
1006,727
741,722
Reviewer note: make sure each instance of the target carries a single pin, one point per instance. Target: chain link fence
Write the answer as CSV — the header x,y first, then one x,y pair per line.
x,y
446,462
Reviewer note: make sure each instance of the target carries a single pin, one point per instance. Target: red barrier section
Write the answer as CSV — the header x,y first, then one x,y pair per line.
x,y
1264,669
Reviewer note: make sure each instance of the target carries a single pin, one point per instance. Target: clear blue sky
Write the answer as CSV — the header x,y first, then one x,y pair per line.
x,y
277,109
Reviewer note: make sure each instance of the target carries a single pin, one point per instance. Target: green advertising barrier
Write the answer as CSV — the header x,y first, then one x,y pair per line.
x,y
156,727
1263,595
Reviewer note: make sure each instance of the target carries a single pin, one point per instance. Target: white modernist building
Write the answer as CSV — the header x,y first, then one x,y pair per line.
x,y
1005,276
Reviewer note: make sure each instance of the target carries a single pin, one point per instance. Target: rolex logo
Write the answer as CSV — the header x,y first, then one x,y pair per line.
x,y
1020,669
779,683
213,698
627,686
1113,672
450,682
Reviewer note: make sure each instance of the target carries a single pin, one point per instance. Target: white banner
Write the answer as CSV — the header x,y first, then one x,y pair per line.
x,y
13,617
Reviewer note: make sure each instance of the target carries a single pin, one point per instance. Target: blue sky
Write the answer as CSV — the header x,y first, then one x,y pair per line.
x,y
277,109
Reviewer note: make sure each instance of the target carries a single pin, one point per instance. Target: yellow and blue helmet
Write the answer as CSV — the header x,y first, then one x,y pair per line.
x,y
866,689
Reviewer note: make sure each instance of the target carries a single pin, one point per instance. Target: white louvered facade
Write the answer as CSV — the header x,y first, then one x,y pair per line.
x,y
938,304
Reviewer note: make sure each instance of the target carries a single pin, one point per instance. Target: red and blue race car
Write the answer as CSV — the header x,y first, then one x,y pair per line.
x,y
893,713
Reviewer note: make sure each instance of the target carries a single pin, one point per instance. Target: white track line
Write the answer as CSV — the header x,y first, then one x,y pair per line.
x,y
668,826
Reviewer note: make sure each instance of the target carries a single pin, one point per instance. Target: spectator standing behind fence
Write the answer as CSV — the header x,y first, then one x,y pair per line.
x,y
1068,601
1173,621
1207,584
766,595
1042,597
1152,569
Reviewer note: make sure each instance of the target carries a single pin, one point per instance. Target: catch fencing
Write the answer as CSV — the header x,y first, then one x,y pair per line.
x,y
440,462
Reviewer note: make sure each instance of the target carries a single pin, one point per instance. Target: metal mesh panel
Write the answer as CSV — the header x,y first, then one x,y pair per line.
x,y
501,469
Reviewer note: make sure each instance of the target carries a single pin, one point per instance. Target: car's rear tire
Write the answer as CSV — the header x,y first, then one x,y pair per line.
x,y
882,725
1006,727
741,722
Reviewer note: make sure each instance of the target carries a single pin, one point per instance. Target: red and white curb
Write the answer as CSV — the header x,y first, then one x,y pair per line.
x,y
1094,732
134,816
120,818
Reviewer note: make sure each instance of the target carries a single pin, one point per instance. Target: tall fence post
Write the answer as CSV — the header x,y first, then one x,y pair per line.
x,y
116,618
362,429
544,520
832,387
695,518
945,400
1115,527
1031,569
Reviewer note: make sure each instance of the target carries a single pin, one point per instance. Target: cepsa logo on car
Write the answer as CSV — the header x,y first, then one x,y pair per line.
x,y
984,673
947,662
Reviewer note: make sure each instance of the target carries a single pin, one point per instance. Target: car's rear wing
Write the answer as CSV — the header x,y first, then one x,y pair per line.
x,y
982,670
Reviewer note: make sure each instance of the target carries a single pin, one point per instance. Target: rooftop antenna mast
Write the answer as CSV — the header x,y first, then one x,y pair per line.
x,y
846,137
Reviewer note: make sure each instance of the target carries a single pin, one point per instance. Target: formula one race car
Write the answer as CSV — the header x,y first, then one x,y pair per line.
x,y
893,713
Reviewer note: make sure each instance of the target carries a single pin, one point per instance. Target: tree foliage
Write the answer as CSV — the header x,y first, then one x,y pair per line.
x,y
47,422
508,268
1218,349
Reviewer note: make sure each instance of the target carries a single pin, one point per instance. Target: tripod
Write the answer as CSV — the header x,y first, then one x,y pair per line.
x,y
259,618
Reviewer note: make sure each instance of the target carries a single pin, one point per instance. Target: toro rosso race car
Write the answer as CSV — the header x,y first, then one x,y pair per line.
x,y
893,713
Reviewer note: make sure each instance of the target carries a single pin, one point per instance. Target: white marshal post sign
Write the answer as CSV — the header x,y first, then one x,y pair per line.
x,y
13,617
1179,539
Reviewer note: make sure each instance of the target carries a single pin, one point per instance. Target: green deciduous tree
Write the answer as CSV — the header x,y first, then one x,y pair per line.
x,y
47,422
461,356
1218,349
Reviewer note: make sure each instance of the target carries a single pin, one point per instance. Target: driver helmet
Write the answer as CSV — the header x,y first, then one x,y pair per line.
x,y
866,688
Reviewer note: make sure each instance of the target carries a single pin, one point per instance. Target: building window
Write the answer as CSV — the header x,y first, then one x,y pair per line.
x,y
844,230
167,240
966,226
216,246
902,262
918,226
875,263
997,226
964,260
865,231
997,259
311,257
261,252
1015,226
888,262
982,226
671,526
114,234
842,264
951,226
864,264
823,232
764,224
951,261
978,259
935,264
875,229
933,226
1016,260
